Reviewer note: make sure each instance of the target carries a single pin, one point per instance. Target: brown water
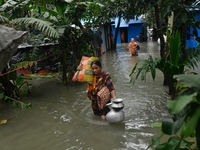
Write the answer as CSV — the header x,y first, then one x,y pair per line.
x,y
62,118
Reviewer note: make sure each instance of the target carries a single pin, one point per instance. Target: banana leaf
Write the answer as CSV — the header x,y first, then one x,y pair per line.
x,y
174,42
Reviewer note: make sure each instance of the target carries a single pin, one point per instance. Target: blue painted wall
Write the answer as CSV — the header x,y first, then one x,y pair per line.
x,y
133,31
191,42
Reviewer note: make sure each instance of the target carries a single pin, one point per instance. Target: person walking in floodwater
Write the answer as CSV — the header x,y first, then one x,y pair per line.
x,y
96,43
102,80
132,46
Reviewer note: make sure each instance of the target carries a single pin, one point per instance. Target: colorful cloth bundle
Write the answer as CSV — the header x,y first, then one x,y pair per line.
x,y
79,75
86,73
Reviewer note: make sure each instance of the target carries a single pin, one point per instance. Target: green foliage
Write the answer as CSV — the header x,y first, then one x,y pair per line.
x,y
17,103
143,67
155,141
183,126
192,58
180,103
189,80
3,19
175,143
156,124
11,86
172,125
184,107
59,20
41,25
174,42
169,66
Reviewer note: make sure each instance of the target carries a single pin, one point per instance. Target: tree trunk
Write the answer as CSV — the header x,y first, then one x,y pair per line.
x,y
172,86
198,134
183,32
159,30
162,44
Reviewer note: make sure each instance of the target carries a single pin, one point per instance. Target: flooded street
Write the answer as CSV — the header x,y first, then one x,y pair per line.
x,y
62,119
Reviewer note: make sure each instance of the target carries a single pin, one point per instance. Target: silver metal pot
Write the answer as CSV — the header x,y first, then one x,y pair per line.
x,y
116,113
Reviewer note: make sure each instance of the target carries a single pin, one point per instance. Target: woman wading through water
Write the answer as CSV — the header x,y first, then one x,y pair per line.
x,y
102,82
132,46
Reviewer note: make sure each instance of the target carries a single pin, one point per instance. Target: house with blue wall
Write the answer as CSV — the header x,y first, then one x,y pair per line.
x,y
191,42
131,29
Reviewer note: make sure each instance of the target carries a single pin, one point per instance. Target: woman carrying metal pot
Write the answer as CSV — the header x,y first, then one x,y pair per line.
x,y
101,90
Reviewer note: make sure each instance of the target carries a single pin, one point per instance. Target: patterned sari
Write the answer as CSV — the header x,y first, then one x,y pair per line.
x,y
99,82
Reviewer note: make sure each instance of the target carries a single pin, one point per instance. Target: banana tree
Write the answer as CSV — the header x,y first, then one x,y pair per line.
x,y
22,15
53,19
26,13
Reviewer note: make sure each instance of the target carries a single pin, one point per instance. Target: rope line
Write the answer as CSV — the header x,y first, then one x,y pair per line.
x,y
51,55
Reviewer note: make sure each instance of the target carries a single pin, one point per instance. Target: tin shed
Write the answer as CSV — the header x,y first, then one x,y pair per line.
x,y
131,29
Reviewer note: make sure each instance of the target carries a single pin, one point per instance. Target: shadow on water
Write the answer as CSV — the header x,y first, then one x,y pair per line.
x,y
62,119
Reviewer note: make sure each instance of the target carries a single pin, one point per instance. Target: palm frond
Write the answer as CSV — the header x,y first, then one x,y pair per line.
x,y
8,4
193,58
3,19
41,25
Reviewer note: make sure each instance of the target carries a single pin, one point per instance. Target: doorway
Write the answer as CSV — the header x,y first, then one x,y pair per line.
x,y
124,35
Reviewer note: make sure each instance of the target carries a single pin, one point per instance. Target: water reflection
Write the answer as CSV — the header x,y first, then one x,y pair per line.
x,y
62,118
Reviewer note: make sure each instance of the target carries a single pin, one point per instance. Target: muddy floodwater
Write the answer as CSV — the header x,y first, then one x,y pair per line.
x,y
62,119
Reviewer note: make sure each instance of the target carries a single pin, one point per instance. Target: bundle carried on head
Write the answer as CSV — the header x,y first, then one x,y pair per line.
x,y
88,75
79,75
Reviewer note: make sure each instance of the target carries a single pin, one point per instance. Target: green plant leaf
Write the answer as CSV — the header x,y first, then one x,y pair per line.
x,y
41,25
155,141
178,103
153,71
133,70
15,104
156,124
185,143
189,127
190,80
19,80
174,45
160,147
1,95
143,74
172,144
169,126
193,57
